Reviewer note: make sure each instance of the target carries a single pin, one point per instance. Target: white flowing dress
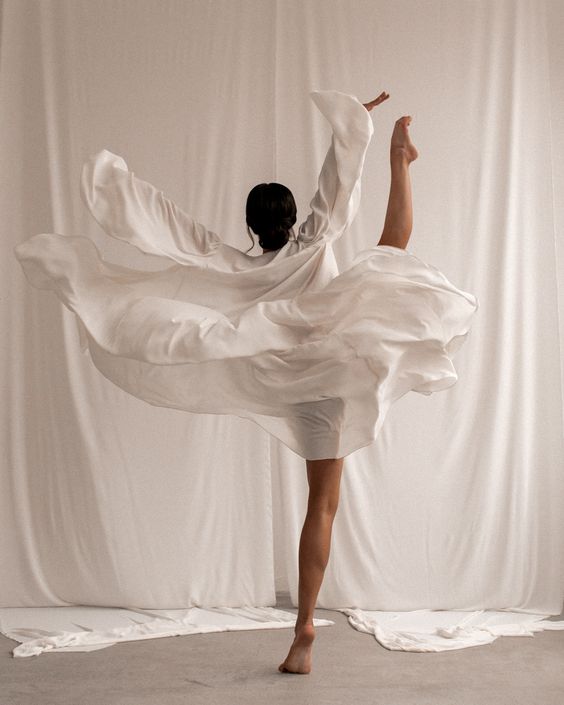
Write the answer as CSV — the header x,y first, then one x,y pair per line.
x,y
313,356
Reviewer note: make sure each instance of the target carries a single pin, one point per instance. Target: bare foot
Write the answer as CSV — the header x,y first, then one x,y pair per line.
x,y
299,656
401,141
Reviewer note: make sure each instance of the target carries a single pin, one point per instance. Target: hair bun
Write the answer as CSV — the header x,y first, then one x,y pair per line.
x,y
271,213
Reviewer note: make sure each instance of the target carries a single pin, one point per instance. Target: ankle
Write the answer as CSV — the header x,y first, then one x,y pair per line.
x,y
399,156
305,633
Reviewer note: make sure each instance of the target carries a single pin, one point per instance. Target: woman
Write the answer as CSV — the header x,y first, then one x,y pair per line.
x,y
324,476
314,356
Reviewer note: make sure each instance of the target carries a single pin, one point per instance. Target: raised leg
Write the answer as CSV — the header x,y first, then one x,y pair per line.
x,y
324,479
399,215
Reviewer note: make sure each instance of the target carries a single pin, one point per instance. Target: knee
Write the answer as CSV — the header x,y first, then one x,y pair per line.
x,y
323,505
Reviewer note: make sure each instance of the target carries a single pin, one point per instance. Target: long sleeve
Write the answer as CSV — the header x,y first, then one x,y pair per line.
x,y
335,204
134,210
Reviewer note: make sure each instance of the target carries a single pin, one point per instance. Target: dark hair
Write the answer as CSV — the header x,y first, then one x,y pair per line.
x,y
271,213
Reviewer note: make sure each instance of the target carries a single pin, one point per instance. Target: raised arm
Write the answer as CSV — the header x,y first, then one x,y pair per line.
x,y
130,209
336,201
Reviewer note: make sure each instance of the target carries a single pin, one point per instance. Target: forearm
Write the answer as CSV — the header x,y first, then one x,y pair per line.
x,y
335,203
131,209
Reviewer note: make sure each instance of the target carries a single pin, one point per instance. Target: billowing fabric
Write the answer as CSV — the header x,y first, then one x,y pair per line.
x,y
314,356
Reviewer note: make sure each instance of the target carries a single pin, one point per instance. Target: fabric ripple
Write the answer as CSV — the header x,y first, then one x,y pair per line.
x,y
314,356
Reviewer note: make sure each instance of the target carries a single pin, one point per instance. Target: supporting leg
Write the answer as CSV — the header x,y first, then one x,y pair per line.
x,y
399,215
324,477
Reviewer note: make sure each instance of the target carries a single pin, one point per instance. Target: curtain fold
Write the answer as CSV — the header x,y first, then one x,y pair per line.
x,y
107,500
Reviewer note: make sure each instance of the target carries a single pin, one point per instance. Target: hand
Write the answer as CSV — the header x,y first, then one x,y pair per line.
x,y
380,99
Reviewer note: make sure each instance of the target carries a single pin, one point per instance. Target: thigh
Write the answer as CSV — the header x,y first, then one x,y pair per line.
x,y
324,478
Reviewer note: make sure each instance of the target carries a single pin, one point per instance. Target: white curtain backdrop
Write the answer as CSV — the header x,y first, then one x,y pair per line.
x,y
459,503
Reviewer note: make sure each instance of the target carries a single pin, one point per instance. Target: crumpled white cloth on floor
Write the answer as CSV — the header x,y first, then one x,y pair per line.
x,y
445,630
83,628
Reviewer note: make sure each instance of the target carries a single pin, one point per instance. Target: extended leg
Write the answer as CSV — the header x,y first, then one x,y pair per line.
x,y
399,215
324,478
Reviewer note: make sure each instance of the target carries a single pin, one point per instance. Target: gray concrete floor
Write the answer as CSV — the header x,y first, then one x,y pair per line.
x,y
240,668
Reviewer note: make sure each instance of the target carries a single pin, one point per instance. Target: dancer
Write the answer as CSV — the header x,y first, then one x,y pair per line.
x,y
324,476
314,356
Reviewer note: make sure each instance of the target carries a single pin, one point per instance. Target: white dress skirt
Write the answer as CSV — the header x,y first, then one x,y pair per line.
x,y
313,356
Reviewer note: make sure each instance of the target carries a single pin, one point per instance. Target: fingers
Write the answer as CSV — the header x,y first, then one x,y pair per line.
x,y
380,99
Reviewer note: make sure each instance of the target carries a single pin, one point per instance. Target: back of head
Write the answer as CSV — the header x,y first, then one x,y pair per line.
x,y
270,213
